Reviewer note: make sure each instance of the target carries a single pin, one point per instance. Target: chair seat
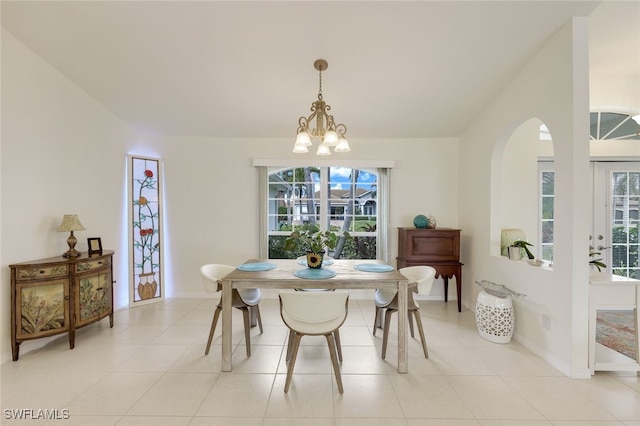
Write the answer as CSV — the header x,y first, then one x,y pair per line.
x,y
384,296
250,296
312,328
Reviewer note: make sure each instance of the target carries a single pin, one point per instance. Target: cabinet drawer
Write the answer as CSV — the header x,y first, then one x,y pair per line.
x,y
94,264
36,272
429,245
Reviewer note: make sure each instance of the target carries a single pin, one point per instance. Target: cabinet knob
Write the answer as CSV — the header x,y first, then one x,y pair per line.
x,y
66,298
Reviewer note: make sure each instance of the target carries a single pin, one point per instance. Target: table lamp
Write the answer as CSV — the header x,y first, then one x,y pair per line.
x,y
70,223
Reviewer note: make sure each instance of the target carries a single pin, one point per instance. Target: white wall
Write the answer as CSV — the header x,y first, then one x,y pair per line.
x,y
554,88
62,152
519,182
211,196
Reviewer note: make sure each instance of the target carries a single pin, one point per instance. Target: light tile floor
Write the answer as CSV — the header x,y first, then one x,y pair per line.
x,y
150,369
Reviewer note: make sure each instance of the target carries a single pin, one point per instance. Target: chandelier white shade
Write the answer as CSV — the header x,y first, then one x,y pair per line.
x,y
333,136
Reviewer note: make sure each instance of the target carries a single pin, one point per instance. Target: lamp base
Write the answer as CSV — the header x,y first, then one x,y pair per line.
x,y
72,253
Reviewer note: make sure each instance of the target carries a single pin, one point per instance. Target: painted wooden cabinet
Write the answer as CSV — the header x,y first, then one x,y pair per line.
x,y
436,247
59,295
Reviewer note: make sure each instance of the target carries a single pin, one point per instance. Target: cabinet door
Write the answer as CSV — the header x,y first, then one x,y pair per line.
x,y
41,308
93,297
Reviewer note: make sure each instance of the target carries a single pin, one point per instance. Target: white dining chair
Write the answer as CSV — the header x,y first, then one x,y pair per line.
x,y
420,281
246,299
313,314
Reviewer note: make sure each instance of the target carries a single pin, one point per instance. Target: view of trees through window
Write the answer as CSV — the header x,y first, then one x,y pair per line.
x,y
624,202
546,215
625,190
335,198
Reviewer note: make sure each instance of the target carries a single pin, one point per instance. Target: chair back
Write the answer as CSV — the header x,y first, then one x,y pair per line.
x,y
423,276
212,273
314,312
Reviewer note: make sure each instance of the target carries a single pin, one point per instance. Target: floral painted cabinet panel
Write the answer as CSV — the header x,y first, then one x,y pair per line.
x,y
94,298
40,307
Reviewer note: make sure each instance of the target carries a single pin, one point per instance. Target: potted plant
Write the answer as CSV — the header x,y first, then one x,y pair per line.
x,y
310,239
516,248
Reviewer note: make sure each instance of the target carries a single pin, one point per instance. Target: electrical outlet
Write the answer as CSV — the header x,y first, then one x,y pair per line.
x,y
546,322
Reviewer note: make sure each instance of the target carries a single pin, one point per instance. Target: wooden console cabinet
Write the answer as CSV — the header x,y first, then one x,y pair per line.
x,y
438,248
58,295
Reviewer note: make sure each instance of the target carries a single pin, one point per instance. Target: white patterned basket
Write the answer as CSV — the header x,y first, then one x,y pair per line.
x,y
495,317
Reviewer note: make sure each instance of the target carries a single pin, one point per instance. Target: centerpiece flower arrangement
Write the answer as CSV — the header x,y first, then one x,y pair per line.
x,y
313,241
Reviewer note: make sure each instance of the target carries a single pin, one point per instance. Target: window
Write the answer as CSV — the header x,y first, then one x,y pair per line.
x,y
332,197
546,211
625,198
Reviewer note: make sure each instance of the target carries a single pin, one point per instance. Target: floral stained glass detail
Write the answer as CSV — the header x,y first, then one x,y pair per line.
x,y
145,216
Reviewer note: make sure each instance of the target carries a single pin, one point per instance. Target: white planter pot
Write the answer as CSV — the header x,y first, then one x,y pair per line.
x,y
515,253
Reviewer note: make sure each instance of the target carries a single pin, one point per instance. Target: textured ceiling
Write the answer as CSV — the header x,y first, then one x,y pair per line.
x,y
245,69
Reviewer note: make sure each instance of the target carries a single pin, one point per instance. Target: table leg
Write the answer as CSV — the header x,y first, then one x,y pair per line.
x,y
226,325
459,288
403,354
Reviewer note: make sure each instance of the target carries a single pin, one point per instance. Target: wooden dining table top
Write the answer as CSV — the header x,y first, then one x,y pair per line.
x,y
347,276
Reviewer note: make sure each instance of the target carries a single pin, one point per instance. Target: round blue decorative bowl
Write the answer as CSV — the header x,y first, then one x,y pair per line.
x,y
420,221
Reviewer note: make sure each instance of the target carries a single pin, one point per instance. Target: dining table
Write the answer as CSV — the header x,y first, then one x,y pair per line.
x,y
294,274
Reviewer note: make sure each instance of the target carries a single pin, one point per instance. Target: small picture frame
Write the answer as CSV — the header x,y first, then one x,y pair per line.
x,y
95,246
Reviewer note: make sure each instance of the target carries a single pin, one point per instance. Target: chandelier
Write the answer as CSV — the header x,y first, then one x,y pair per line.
x,y
331,136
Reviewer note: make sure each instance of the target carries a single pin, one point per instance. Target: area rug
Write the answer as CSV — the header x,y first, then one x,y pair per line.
x,y
616,330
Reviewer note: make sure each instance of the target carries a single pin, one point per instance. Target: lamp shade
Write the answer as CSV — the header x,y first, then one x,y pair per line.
x,y
303,139
343,146
300,148
70,222
330,138
323,150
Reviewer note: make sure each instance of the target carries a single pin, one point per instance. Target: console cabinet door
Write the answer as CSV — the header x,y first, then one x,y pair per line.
x,y
41,308
93,297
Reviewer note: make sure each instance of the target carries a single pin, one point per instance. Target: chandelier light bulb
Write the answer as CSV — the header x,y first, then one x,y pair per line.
x,y
300,149
303,139
343,146
330,138
323,150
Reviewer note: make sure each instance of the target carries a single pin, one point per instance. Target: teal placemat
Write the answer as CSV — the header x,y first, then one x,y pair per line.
x,y
258,266
373,267
315,274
